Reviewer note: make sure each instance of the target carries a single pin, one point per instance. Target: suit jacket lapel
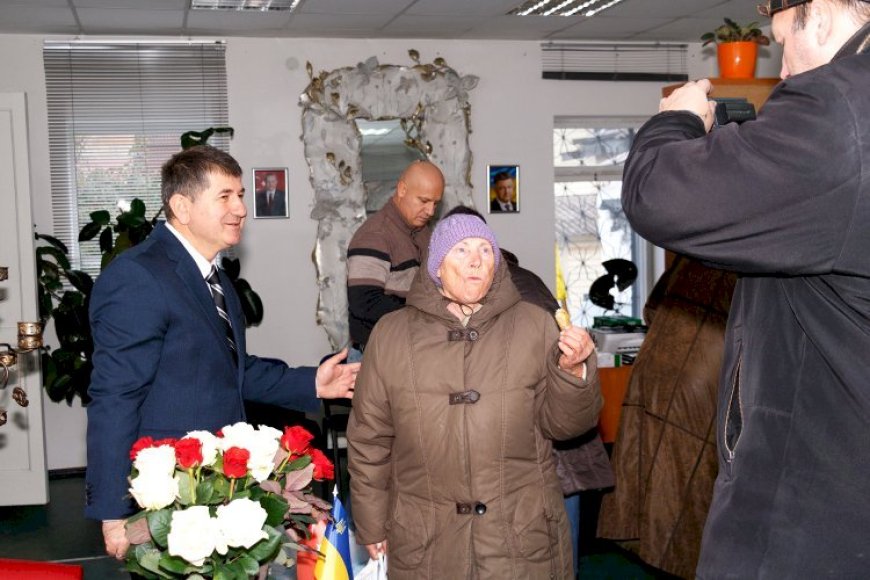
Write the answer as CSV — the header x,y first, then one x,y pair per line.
x,y
188,272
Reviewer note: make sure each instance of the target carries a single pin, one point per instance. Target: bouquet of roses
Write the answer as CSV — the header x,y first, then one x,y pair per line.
x,y
223,505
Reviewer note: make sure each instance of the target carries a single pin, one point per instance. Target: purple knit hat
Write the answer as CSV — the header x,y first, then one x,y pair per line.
x,y
452,230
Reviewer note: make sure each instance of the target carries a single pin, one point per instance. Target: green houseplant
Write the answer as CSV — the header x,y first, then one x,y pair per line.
x,y
64,293
737,47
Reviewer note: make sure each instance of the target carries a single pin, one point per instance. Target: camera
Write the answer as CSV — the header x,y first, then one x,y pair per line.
x,y
733,111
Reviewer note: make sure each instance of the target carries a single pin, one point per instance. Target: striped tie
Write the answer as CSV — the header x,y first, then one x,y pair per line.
x,y
217,294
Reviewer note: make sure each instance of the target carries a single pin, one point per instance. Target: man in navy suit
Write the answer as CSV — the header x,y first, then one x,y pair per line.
x,y
165,362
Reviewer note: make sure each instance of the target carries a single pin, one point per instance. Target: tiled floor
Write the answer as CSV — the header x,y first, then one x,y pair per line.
x,y
59,532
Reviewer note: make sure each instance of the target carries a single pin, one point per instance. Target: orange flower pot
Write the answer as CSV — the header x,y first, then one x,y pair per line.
x,y
737,59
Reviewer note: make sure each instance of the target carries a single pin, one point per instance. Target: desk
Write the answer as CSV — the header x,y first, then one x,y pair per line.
x,y
614,384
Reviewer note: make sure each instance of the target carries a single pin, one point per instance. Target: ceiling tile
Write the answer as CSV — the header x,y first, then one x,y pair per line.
x,y
464,7
320,23
241,21
607,28
343,7
669,9
18,18
119,20
152,4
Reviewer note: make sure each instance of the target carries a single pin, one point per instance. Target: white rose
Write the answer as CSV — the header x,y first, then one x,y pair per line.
x,y
210,445
154,491
237,435
155,461
263,444
241,523
194,535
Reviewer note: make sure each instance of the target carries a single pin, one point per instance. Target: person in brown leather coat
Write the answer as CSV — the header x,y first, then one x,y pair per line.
x,y
449,439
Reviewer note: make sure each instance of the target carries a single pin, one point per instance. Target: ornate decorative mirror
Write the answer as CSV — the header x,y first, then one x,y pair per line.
x,y
430,103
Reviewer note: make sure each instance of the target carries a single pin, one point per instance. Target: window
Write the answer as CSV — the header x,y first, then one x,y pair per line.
x,y
591,228
116,112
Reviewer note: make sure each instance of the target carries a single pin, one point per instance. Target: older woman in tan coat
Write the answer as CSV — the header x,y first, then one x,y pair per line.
x,y
458,398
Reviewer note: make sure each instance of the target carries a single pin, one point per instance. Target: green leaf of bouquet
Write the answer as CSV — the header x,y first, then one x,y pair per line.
x,y
158,523
298,463
134,567
231,571
221,488
137,515
184,495
275,506
205,492
303,519
149,558
266,549
222,572
249,565
174,564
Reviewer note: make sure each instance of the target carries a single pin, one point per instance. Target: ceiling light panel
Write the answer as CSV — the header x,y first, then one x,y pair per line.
x,y
563,7
260,5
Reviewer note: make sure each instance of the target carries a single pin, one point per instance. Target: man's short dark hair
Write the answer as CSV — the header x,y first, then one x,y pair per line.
x,y
187,171
464,210
502,176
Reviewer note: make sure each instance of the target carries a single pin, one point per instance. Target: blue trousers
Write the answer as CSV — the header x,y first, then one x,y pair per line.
x,y
572,507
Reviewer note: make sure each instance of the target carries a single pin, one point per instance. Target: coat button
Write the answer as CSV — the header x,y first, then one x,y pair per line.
x,y
480,508
472,335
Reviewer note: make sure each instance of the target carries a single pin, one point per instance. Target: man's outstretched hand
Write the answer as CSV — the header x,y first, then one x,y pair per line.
x,y
336,380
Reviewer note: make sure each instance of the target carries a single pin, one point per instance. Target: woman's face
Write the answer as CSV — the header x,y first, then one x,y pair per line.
x,y
467,271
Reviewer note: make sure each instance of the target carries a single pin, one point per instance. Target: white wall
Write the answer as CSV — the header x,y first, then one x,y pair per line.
x,y
511,117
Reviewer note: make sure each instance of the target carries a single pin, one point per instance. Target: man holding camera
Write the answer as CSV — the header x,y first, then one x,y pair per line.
x,y
784,201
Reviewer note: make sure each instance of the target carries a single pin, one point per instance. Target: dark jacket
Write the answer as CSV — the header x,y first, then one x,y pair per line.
x,y
582,462
784,201
422,458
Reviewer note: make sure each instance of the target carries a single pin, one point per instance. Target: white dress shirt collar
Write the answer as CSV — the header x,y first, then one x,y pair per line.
x,y
201,263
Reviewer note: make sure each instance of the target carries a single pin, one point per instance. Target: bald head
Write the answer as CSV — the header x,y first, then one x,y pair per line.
x,y
418,192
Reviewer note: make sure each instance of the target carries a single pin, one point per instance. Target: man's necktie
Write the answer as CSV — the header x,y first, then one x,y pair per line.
x,y
217,294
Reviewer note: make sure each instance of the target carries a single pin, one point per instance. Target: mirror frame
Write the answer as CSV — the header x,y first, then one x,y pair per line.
x,y
431,100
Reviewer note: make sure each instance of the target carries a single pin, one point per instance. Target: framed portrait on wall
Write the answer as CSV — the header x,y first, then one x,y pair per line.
x,y
504,188
270,192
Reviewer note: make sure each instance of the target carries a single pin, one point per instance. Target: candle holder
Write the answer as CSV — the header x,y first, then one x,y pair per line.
x,y
29,339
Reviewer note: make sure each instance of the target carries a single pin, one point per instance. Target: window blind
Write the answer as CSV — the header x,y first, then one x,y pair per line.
x,y
116,112
590,61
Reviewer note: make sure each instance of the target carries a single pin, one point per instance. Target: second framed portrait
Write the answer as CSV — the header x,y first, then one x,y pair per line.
x,y
270,192
504,188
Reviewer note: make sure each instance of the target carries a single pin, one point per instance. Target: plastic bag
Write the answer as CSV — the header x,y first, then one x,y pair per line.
x,y
374,570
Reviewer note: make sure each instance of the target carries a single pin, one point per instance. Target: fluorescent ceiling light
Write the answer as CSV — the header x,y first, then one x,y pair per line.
x,y
261,5
562,7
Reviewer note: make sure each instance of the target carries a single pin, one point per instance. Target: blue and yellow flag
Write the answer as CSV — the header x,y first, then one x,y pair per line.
x,y
334,562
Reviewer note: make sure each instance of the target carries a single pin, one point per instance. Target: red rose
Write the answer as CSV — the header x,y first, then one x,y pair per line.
x,y
295,440
139,445
168,441
323,468
236,462
188,452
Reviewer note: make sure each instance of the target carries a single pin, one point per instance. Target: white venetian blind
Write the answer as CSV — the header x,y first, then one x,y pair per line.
x,y
116,112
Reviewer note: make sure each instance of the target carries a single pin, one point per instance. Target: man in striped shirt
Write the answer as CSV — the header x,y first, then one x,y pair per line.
x,y
384,253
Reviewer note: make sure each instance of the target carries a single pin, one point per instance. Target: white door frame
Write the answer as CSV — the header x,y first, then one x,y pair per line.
x,y
23,477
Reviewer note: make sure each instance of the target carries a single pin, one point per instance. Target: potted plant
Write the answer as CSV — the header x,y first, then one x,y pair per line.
x,y
737,48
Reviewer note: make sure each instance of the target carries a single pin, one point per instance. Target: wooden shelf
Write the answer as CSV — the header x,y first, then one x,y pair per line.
x,y
755,91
